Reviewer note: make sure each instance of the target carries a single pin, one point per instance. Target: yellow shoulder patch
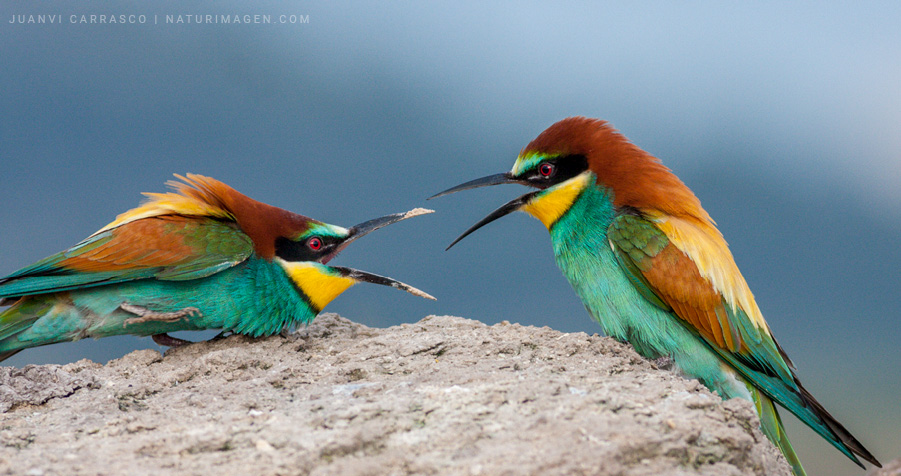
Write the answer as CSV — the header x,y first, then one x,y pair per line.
x,y
317,281
705,245
550,204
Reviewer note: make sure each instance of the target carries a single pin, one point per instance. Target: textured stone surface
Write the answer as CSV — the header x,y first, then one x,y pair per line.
x,y
442,396
35,384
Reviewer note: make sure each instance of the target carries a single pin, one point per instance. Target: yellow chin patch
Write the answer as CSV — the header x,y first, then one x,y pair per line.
x,y
317,281
550,204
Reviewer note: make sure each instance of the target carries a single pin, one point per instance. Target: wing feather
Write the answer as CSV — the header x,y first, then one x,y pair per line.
x,y
168,247
697,278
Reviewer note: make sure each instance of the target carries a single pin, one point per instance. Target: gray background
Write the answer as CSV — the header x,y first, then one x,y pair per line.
x,y
784,120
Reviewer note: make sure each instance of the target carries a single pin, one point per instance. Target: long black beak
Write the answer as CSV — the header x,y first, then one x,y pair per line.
x,y
504,210
363,276
369,226
495,179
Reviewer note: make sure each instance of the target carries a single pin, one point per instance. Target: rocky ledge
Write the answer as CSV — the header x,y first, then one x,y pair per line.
x,y
445,395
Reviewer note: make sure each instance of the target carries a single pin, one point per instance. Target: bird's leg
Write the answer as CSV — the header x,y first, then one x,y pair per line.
x,y
664,363
166,340
221,335
146,315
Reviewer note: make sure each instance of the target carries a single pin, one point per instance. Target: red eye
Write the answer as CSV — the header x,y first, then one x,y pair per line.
x,y
546,169
315,243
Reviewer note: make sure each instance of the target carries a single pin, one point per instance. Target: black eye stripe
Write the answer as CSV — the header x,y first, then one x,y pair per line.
x,y
557,169
291,250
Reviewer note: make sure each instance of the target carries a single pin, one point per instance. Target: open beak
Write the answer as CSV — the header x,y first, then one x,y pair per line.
x,y
504,210
321,283
363,276
496,179
534,203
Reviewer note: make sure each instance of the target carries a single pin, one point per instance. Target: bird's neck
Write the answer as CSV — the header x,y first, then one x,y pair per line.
x,y
586,221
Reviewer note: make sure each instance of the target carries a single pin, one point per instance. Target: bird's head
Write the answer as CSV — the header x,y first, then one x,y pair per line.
x,y
577,153
304,254
301,245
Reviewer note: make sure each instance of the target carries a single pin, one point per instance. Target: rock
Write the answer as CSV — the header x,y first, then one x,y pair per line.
x,y
35,384
443,396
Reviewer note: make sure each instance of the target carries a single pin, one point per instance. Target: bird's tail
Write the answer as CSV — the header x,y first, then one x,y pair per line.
x,y
771,424
796,399
15,321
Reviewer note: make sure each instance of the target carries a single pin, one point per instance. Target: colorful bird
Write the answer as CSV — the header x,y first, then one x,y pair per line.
x,y
651,267
203,257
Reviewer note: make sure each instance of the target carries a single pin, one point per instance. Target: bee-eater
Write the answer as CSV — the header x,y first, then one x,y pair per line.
x,y
651,267
202,257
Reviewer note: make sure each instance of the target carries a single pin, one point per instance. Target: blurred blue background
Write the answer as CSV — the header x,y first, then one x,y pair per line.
x,y
784,120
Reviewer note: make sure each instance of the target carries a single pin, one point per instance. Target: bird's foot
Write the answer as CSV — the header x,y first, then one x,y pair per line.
x,y
220,336
664,363
146,315
166,340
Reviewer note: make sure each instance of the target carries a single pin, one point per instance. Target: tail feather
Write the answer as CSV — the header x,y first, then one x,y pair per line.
x,y
838,429
771,424
793,397
6,355
16,320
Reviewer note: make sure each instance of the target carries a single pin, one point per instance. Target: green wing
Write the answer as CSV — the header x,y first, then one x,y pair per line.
x,y
170,247
668,278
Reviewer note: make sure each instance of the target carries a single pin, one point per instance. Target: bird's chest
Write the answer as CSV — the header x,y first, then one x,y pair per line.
x,y
263,301
584,254
254,298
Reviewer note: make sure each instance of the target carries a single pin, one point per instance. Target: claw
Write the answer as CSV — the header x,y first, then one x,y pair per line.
x,y
146,315
166,340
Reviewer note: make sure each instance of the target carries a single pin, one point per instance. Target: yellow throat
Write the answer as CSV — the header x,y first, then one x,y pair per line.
x,y
317,281
550,204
